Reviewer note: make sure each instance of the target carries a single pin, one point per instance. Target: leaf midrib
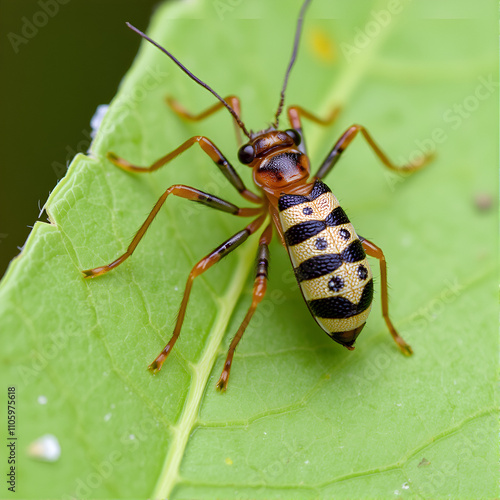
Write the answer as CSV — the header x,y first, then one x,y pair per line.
x,y
201,371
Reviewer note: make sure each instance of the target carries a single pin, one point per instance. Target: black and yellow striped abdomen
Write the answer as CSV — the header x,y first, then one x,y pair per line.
x,y
329,262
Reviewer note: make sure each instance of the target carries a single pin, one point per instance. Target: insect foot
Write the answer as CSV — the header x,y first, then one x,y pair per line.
x,y
92,273
156,365
222,383
404,347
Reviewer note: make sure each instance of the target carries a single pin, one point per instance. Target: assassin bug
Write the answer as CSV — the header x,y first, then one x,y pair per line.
x,y
328,257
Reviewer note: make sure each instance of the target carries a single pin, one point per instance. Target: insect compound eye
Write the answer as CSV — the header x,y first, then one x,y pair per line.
x,y
294,135
246,154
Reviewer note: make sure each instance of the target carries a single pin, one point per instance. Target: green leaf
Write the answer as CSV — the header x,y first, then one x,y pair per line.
x,y
303,417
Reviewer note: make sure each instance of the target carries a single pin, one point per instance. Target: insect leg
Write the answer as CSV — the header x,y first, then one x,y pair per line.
x,y
259,290
295,113
209,148
204,264
181,111
188,193
374,251
347,138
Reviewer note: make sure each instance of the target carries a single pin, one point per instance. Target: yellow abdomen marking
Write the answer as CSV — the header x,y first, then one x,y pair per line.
x,y
328,258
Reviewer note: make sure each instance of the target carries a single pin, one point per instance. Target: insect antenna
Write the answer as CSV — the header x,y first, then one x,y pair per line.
x,y
292,60
193,77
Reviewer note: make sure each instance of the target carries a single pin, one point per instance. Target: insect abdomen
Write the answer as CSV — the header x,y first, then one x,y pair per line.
x,y
329,262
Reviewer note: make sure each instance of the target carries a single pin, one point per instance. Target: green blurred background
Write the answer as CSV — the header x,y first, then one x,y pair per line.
x,y
49,90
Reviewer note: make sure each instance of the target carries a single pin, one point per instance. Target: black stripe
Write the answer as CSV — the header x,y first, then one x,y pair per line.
x,y
307,229
337,217
366,297
353,253
303,231
318,266
325,264
340,307
332,308
318,189
290,200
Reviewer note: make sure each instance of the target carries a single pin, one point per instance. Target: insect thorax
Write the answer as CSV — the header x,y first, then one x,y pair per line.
x,y
281,169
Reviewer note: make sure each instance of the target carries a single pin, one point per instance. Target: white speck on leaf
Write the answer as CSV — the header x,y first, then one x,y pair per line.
x,y
107,417
46,448
42,400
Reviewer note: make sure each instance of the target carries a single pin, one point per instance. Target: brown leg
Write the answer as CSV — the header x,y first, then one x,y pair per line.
x,y
374,251
259,290
188,193
209,148
204,264
347,138
295,113
181,111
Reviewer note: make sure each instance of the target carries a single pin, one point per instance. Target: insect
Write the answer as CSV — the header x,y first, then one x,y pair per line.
x,y
328,257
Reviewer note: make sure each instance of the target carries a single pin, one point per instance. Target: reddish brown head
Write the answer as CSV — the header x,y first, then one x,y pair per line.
x,y
275,159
